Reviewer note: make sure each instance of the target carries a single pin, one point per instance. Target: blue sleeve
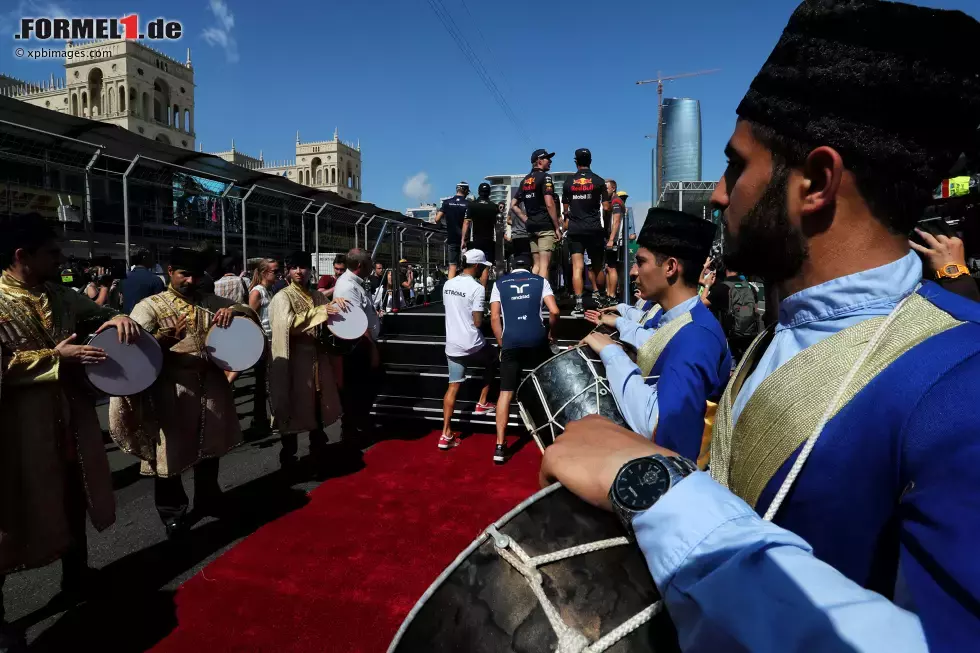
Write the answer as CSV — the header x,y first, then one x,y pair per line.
x,y
158,285
733,582
629,312
632,333
940,506
636,397
690,374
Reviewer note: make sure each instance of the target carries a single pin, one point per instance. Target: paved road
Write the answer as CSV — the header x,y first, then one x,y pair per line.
x,y
139,570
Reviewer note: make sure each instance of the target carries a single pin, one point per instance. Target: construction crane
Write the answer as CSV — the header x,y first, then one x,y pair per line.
x,y
659,81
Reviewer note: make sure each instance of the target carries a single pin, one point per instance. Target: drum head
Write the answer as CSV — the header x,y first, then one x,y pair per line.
x,y
482,604
237,348
350,324
564,389
127,369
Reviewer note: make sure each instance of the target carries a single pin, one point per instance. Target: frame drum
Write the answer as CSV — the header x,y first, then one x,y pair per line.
x,y
128,368
563,389
491,599
343,331
238,347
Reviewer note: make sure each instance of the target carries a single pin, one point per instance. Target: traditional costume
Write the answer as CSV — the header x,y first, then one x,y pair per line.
x,y
302,386
683,361
53,464
870,379
188,417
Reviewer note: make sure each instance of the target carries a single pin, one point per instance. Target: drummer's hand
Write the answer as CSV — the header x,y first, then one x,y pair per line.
x,y
128,329
609,309
598,341
589,454
338,305
222,318
84,354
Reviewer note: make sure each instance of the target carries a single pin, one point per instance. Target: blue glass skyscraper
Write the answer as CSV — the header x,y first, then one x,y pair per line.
x,y
682,143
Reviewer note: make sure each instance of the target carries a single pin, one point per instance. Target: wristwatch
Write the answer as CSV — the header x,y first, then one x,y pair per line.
x,y
952,271
642,481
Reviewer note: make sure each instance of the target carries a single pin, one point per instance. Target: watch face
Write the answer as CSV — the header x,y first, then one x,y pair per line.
x,y
952,269
641,483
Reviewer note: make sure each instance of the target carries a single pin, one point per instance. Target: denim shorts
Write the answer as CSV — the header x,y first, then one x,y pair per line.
x,y
485,358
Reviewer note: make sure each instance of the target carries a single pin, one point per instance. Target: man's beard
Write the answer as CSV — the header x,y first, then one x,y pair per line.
x,y
767,245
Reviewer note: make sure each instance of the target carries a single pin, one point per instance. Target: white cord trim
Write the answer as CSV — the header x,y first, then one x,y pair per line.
x,y
569,639
794,471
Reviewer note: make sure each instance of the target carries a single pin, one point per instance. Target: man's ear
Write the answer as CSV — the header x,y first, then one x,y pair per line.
x,y
822,174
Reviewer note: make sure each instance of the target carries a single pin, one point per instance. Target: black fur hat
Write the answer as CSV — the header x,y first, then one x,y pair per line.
x,y
299,259
675,233
884,83
188,260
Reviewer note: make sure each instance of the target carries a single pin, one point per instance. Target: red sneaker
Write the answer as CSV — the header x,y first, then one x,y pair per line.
x,y
485,409
449,441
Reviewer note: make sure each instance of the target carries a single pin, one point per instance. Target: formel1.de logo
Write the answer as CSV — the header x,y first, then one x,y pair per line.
x,y
80,29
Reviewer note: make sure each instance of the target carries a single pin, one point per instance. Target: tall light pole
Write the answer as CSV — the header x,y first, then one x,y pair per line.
x,y
660,165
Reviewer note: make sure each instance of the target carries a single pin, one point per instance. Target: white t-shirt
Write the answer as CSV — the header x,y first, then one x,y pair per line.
x,y
462,296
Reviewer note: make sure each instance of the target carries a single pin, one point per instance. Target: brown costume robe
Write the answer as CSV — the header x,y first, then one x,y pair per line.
x,y
189,413
300,365
48,424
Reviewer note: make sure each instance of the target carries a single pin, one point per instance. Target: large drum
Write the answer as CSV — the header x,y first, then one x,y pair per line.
x,y
342,331
128,368
238,347
552,569
564,389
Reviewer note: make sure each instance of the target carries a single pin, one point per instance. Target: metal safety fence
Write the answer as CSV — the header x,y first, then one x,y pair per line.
x,y
107,206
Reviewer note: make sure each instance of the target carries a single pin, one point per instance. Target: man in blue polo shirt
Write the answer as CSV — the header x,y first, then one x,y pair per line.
x,y
140,283
453,210
515,315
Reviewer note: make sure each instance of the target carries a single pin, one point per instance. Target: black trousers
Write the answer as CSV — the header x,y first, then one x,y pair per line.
x,y
260,411
75,559
359,391
171,499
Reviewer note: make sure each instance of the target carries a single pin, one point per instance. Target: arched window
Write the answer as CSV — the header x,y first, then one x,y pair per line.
x,y
122,99
74,104
187,121
84,104
146,106
176,121
319,177
333,175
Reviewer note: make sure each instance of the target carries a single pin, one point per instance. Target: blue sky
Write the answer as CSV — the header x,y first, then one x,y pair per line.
x,y
387,72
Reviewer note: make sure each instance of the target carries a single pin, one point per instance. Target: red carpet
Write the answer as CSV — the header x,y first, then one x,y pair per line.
x,y
341,573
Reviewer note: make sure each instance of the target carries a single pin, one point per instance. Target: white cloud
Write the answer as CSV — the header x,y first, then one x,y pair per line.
x,y
221,33
10,21
417,187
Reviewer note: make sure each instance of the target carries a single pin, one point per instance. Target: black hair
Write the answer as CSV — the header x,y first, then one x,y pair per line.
x,y
28,232
340,258
141,256
690,269
231,264
894,199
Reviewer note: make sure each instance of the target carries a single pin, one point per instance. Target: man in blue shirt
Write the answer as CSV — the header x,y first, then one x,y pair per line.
x,y
515,316
682,362
140,283
454,211
852,421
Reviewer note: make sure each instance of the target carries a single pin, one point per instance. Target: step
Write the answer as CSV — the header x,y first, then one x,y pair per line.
x,y
424,350
402,407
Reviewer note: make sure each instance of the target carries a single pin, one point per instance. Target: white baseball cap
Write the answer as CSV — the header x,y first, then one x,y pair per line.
x,y
475,257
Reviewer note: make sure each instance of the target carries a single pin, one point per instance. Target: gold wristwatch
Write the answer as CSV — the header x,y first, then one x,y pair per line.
x,y
952,271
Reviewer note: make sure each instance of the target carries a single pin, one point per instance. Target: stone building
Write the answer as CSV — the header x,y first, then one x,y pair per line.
x,y
333,165
122,82
126,83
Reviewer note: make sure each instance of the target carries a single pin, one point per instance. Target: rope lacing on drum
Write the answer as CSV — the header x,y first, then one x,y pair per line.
x,y
569,639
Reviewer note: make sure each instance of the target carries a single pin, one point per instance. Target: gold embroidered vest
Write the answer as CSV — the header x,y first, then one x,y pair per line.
x,y
789,403
650,351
